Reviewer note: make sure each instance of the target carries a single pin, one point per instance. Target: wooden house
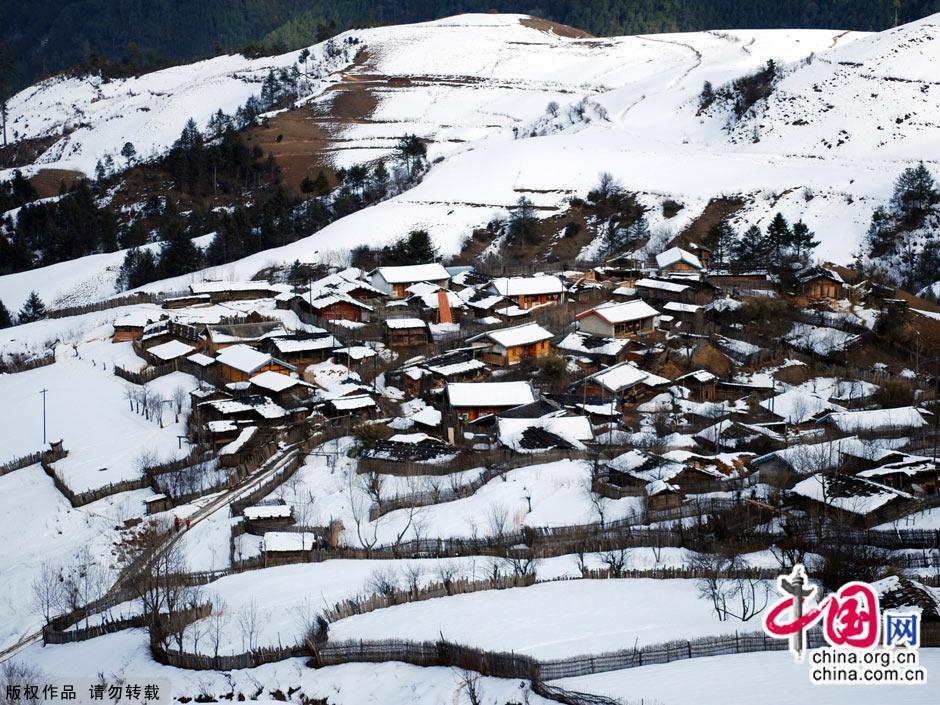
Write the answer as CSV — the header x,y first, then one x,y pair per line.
x,y
337,307
302,349
167,352
821,283
238,363
286,391
900,421
703,253
914,474
858,501
619,386
219,291
618,319
597,351
510,346
676,260
352,406
131,327
660,495
470,401
406,332
701,384
247,332
658,291
529,292
394,281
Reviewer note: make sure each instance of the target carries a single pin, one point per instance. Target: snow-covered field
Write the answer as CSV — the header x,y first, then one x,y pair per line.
x,y
767,678
552,620
41,526
104,446
552,494
480,84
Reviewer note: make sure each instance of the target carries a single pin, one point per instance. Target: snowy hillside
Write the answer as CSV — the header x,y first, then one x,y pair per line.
x,y
831,138
96,117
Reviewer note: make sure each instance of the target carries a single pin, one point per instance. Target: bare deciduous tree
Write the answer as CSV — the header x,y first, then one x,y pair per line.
x,y
249,619
47,588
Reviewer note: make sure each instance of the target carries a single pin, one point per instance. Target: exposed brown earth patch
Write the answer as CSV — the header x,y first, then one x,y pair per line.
x,y
302,140
699,230
24,152
48,181
562,30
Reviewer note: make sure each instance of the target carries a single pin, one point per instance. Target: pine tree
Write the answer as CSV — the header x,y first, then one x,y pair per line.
x,y
722,241
750,252
803,239
128,151
5,319
320,184
880,238
523,223
411,151
914,192
779,238
179,255
33,310
380,179
416,247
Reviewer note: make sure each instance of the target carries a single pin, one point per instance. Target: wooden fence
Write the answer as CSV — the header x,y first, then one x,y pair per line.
x,y
204,662
436,495
40,456
570,697
15,365
396,596
54,636
504,457
139,297
80,499
148,374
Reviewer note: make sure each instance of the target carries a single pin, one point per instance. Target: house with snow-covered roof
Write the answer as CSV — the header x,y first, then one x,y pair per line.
x,y
131,326
510,346
884,422
661,290
859,501
218,291
222,335
618,319
169,351
303,349
819,282
701,383
529,292
336,306
406,332
283,389
675,259
596,349
471,400
915,474
239,363
394,281
618,387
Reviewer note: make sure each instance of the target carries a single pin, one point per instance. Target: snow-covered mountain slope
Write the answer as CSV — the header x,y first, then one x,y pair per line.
x,y
477,86
95,117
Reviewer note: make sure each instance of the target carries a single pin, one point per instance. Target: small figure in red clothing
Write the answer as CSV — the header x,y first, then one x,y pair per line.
x,y
176,523
187,523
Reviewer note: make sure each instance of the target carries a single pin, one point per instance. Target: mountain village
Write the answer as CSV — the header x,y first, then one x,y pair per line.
x,y
467,362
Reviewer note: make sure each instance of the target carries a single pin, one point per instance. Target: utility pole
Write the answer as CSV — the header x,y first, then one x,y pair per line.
x,y
43,392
